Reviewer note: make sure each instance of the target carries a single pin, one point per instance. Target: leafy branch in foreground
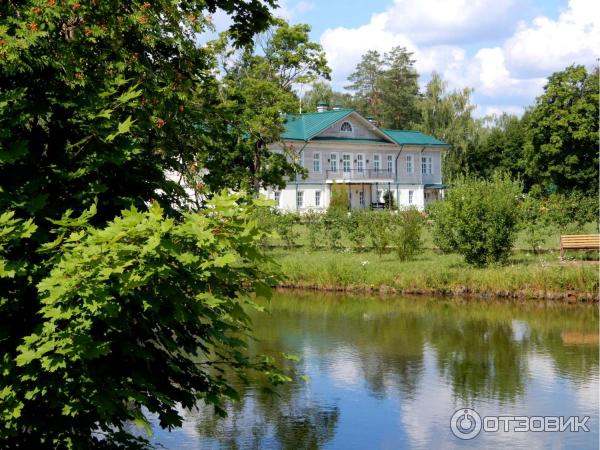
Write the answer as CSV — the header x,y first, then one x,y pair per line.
x,y
132,313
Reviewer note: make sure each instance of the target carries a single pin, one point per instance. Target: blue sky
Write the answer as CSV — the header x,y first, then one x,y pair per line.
x,y
504,49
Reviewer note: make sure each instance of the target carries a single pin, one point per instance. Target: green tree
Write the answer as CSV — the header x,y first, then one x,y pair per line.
x,y
500,147
257,91
478,219
561,148
447,116
321,91
365,82
400,90
102,100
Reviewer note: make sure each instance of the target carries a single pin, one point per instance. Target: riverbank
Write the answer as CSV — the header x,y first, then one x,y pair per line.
x,y
525,276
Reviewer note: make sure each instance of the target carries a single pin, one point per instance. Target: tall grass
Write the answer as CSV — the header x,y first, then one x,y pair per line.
x,y
528,276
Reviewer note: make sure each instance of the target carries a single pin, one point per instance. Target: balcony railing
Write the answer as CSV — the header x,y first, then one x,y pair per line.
x,y
360,174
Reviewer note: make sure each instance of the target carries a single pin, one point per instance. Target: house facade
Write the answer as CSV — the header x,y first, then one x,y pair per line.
x,y
342,148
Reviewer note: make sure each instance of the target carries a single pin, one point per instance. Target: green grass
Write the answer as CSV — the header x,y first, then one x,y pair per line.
x,y
539,276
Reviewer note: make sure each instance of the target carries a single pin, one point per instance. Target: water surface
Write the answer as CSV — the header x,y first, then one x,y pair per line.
x,y
388,373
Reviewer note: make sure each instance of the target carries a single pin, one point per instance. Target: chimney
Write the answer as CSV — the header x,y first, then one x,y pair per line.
x,y
322,107
337,106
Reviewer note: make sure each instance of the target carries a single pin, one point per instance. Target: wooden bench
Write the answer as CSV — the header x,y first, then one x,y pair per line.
x,y
579,242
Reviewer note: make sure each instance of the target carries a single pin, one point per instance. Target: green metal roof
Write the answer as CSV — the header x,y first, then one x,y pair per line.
x,y
351,140
409,137
306,126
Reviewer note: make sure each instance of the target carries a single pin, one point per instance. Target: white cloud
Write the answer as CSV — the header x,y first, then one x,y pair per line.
x,y
451,21
291,12
549,45
506,77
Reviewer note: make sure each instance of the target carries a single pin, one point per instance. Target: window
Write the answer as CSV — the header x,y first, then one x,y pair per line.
x,y
300,199
361,198
360,163
333,160
376,163
390,163
346,127
277,197
346,163
409,164
317,198
426,165
316,162
410,197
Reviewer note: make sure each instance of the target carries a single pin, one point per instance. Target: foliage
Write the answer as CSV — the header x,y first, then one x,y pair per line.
x,y
257,88
340,199
406,235
561,148
400,88
388,200
333,224
447,116
100,104
321,91
285,228
357,228
380,231
314,223
387,88
365,82
500,147
143,295
478,219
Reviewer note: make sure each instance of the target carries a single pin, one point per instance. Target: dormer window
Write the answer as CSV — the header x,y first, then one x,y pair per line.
x,y
347,127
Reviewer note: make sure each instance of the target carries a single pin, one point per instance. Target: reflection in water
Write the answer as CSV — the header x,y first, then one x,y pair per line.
x,y
389,373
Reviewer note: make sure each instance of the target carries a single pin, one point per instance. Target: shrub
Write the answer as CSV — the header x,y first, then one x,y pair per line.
x,y
356,228
389,200
380,225
314,225
406,235
478,219
286,230
333,224
339,202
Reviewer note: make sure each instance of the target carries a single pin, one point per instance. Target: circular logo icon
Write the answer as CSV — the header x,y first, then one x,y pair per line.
x,y
465,423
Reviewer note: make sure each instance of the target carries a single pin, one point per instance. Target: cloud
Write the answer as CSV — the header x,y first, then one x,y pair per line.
x,y
291,12
549,45
445,22
506,77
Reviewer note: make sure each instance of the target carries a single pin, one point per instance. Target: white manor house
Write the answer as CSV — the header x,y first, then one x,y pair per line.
x,y
340,146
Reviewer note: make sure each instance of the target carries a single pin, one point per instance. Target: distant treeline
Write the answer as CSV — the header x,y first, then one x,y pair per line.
x,y
552,148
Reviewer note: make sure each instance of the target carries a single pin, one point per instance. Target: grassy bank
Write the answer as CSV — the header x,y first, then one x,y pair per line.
x,y
525,276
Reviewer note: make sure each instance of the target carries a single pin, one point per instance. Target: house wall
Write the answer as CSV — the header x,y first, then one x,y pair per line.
x,y
400,163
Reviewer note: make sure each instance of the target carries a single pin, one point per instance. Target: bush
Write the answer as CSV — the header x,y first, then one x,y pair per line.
x,y
314,225
286,230
380,227
339,203
333,224
406,236
389,200
357,228
478,219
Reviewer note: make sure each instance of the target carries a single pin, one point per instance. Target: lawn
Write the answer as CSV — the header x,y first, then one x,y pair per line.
x,y
525,275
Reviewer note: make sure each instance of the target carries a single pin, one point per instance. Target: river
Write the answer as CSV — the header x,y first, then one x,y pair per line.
x,y
389,373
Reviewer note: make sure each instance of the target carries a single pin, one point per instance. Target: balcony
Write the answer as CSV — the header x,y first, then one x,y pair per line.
x,y
381,175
